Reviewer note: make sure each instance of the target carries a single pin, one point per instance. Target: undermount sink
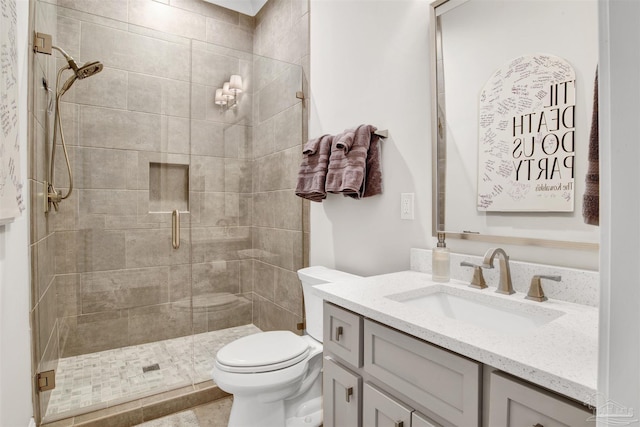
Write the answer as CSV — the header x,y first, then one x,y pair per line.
x,y
480,309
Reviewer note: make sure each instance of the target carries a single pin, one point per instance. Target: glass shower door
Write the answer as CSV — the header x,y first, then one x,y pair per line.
x,y
113,278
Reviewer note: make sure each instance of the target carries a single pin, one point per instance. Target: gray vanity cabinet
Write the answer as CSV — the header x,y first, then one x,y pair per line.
x,y
514,403
377,376
392,377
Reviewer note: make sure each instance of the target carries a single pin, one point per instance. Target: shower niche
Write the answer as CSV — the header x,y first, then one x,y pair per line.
x,y
168,187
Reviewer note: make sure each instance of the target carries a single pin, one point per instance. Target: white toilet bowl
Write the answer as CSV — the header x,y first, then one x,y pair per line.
x,y
276,377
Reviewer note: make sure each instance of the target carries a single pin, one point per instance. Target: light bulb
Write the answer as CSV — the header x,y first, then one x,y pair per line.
x,y
235,84
226,93
220,99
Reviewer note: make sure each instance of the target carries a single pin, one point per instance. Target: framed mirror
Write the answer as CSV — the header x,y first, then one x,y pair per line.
x,y
472,40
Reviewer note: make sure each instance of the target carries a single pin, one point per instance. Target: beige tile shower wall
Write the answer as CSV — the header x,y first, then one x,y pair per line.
x,y
282,30
117,278
281,44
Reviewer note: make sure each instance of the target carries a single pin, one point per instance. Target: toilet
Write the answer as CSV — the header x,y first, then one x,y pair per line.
x,y
276,377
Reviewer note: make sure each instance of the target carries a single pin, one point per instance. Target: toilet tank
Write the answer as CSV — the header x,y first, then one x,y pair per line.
x,y
312,276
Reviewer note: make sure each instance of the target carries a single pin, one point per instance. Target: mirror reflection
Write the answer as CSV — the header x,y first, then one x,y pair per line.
x,y
476,39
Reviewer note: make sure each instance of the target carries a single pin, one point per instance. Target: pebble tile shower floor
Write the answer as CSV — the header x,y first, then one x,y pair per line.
x,y
115,376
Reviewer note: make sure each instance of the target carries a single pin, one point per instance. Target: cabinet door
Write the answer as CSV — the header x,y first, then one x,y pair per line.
x,y
342,395
419,420
342,334
381,410
515,403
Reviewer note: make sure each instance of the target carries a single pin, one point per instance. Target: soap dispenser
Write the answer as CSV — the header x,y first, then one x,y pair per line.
x,y
440,261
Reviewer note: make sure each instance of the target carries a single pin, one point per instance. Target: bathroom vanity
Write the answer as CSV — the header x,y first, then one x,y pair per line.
x,y
391,358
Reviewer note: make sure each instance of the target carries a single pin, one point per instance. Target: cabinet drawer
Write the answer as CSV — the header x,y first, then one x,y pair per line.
x,y
514,403
381,410
342,403
342,334
441,382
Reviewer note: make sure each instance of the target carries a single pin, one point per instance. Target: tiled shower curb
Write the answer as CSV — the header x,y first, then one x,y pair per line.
x,y
147,408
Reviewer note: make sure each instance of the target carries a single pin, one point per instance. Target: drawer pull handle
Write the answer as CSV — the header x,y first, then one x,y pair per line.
x,y
399,424
348,394
338,333
538,425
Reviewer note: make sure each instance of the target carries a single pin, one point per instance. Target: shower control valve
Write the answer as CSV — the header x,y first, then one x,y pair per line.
x,y
51,197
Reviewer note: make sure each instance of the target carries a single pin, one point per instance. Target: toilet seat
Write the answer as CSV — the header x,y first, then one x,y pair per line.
x,y
262,352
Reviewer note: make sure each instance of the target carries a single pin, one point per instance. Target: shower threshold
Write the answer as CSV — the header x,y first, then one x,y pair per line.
x,y
100,380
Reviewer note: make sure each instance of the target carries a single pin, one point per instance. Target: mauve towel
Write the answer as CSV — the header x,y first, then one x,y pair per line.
x,y
355,171
313,169
373,178
591,198
344,141
311,147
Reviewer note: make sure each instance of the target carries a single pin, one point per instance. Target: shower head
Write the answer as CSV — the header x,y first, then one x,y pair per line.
x,y
87,70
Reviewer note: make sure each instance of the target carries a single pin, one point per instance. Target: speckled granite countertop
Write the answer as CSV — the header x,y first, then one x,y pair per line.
x,y
560,355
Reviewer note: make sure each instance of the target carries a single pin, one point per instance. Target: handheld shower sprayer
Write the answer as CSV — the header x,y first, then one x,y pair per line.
x,y
87,70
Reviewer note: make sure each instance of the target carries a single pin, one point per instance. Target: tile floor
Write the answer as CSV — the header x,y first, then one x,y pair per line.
x,y
96,380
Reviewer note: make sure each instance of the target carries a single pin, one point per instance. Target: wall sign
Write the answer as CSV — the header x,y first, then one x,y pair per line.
x,y
526,137
11,202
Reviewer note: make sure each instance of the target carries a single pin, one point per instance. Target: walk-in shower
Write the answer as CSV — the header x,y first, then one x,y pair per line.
x,y
121,312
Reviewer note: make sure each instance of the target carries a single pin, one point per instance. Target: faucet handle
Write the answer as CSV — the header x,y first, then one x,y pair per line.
x,y
535,288
477,281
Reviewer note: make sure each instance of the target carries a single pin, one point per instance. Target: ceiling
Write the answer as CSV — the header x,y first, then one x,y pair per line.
x,y
248,7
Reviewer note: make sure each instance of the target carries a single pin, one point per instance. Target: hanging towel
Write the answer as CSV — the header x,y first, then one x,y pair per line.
x,y
344,141
352,163
373,179
591,199
311,147
313,169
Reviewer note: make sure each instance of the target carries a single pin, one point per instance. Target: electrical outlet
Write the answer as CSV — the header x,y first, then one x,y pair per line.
x,y
406,205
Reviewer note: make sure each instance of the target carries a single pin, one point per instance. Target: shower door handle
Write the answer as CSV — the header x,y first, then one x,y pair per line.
x,y
175,229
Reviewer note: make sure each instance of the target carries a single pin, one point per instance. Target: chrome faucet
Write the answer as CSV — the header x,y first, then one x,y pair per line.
x,y
504,286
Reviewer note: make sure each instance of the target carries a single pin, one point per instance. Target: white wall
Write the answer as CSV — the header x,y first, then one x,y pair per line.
x,y
15,342
370,64
619,79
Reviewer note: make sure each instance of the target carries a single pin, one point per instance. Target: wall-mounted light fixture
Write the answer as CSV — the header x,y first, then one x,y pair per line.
x,y
227,96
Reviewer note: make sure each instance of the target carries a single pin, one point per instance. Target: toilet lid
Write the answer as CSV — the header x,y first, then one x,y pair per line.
x,y
262,352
